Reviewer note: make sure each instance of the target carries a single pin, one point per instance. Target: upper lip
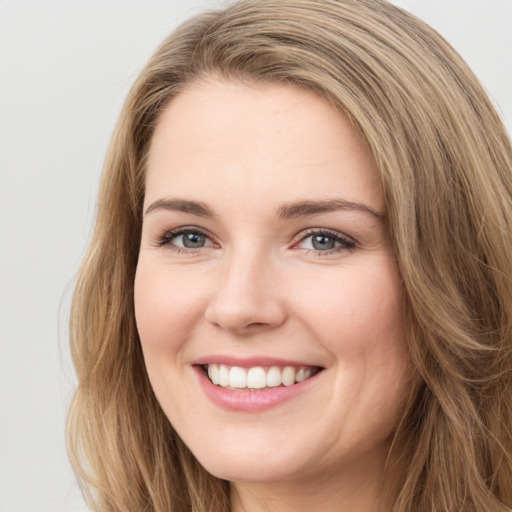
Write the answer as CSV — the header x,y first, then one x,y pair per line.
x,y
250,362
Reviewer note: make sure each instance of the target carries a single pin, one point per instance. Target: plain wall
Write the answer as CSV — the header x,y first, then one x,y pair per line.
x,y
65,68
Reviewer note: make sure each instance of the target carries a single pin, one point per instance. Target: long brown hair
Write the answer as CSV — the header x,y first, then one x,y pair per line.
x,y
446,168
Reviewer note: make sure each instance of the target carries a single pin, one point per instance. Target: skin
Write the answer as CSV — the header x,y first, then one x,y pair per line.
x,y
259,287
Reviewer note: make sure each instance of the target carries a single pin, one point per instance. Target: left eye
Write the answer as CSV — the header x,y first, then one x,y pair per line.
x,y
190,240
325,242
186,239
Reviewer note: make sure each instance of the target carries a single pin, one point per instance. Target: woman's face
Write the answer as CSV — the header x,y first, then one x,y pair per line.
x,y
265,261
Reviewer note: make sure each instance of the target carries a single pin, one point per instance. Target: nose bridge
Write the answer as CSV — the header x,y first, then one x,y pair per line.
x,y
247,295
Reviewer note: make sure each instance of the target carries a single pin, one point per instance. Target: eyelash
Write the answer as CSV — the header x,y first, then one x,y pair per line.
x,y
346,243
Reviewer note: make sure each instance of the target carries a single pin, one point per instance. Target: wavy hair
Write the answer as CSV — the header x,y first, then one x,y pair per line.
x,y
445,163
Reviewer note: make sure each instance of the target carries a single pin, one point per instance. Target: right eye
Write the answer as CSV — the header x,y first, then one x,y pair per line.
x,y
185,239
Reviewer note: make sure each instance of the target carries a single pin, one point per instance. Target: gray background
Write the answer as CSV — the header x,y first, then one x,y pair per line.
x,y
65,68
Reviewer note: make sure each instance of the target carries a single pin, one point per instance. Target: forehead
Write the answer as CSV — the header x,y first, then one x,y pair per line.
x,y
272,139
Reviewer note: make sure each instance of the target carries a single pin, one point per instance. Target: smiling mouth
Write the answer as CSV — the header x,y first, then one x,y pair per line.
x,y
257,378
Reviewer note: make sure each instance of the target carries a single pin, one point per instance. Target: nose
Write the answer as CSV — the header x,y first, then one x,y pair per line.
x,y
247,298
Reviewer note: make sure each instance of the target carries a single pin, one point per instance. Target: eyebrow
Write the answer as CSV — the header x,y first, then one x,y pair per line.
x,y
304,208
181,205
287,211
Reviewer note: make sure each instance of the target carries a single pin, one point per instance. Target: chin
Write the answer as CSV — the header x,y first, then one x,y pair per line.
x,y
243,469
262,460
269,461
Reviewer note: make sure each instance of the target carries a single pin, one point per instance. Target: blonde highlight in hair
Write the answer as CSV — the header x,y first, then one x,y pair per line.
x,y
446,167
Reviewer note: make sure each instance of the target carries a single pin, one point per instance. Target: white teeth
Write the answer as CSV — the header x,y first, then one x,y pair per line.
x,y
273,377
237,377
257,377
288,376
213,373
223,375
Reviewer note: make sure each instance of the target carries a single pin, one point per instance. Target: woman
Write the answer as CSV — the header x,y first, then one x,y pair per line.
x,y
299,290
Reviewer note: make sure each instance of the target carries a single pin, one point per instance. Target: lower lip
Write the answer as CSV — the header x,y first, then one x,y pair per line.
x,y
251,401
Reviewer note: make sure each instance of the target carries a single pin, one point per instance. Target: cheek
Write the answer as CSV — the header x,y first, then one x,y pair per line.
x,y
165,308
359,307
359,320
